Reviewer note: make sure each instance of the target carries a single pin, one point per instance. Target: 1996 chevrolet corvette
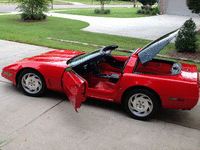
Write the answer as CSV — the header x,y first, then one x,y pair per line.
x,y
140,82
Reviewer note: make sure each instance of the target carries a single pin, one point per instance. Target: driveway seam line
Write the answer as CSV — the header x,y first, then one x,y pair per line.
x,y
5,82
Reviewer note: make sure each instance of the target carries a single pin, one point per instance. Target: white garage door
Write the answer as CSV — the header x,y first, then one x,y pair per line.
x,y
178,7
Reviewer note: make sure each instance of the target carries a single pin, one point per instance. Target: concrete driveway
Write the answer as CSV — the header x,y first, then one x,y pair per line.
x,y
50,122
149,28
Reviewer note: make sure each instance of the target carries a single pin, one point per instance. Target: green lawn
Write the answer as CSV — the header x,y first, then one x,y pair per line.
x,y
59,28
60,2
94,2
37,32
115,12
7,1
97,2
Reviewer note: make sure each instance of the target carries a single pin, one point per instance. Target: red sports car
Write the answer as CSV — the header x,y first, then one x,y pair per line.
x,y
140,82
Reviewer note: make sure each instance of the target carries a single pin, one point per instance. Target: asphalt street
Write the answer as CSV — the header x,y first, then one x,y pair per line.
x,y
50,122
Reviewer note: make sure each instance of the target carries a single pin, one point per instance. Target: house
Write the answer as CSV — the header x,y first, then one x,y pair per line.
x,y
175,7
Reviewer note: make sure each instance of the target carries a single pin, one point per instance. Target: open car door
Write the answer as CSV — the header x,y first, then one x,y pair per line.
x,y
75,87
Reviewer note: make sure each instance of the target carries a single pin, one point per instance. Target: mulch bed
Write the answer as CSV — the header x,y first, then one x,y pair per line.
x,y
193,56
198,32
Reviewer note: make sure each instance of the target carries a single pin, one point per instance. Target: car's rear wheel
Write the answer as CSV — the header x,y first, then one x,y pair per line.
x,y
140,104
31,82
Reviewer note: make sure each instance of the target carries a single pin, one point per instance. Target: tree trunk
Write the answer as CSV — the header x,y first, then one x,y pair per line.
x,y
102,8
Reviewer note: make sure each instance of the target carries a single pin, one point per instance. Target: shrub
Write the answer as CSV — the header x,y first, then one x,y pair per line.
x,y
139,11
194,6
156,10
39,16
147,7
143,11
142,7
148,11
153,12
33,9
149,2
107,11
102,4
28,16
97,11
186,39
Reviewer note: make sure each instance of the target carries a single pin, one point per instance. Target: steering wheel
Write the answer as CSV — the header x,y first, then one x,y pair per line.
x,y
108,48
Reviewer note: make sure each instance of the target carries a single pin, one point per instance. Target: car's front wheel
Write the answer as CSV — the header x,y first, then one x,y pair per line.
x,y
140,104
31,82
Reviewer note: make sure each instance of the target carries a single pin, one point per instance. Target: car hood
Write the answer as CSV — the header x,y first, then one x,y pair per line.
x,y
53,56
148,52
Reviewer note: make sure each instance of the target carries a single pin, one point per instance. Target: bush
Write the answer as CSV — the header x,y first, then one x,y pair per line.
x,y
143,11
33,9
149,2
186,40
28,16
153,12
107,11
142,7
156,10
194,6
147,7
97,11
139,11
148,11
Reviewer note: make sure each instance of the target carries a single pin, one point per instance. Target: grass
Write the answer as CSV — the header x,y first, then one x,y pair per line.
x,y
115,12
94,2
60,2
8,1
58,28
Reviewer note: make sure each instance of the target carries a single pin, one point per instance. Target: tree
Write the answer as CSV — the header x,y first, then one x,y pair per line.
x,y
33,9
148,2
186,40
102,4
194,6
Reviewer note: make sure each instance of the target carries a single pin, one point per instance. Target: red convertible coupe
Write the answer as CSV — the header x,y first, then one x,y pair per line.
x,y
140,82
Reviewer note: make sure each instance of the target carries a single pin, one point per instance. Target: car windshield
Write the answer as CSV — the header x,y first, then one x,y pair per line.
x,y
81,56
93,56
85,58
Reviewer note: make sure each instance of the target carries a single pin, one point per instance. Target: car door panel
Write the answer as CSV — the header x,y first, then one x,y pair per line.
x,y
75,87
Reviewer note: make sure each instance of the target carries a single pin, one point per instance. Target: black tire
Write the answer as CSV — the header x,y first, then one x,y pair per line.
x,y
141,104
31,83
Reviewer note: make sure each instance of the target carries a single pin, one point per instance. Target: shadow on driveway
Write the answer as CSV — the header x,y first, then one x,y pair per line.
x,y
186,118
